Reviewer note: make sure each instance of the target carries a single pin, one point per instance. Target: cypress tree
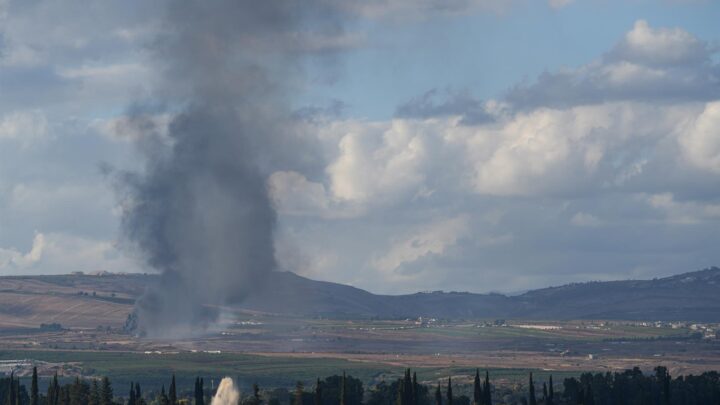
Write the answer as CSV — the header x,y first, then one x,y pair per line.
x,y
531,393
138,395
545,393
53,391
343,392
477,390
407,397
94,393
17,392
65,398
34,388
131,396
172,392
449,392
415,390
11,392
438,395
551,393
318,392
106,392
401,392
256,393
486,389
199,392
163,399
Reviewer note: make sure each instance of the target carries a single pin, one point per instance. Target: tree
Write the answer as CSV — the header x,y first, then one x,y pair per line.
x,y
318,392
415,390
588,397
531,392
11,397
477,389
551,393
163,398
172,392
34,388
486,389
131,395
65,396
199,391
663,380
79,392
332,390
138,395
53,392
256,394
449,392
406,388
106,392
94,393
438,396
343,390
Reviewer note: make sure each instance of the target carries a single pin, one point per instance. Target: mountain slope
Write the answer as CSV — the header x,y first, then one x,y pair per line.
x,y
92,300
690,296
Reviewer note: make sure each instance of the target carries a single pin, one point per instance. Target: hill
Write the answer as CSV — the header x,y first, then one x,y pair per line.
x,y
690,296
88,301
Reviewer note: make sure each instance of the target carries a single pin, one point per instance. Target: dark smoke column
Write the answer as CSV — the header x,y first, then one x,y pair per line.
x,y
200,212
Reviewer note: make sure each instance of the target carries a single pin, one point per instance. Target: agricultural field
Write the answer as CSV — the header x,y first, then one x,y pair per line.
x,y
277,350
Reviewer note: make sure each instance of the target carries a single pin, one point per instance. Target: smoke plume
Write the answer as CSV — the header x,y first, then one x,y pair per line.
x,y
199,212
227,393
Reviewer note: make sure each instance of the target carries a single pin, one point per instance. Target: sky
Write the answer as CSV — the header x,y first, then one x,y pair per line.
x,y
468,145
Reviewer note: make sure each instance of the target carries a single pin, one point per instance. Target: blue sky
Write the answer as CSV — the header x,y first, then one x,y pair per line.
x,y
486,53
492,146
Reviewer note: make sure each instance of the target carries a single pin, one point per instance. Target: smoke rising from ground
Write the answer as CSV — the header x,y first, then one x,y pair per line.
x,y
199,212
227,393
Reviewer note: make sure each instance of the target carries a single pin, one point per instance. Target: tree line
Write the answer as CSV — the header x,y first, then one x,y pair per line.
x,y
630,387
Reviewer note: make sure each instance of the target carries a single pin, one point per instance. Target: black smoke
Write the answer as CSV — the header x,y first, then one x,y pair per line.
x,y
199,211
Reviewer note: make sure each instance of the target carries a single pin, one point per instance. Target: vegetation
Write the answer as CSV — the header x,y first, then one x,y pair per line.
x,y
630,387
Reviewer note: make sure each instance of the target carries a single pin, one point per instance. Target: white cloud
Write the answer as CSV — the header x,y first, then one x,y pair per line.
x,y
683,212
543,152
701,141
431,240
649,64
11,258
58,253
378,161
25,127
661,46
293,194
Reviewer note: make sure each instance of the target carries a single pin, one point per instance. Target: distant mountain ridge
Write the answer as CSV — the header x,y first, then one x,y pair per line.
x,y
106,299
690,296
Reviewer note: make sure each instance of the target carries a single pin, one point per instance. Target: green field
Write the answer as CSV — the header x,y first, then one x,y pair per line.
x,y
154,370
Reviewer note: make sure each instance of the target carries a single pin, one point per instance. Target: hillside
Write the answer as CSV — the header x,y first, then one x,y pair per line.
x,y
88,301
689,296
